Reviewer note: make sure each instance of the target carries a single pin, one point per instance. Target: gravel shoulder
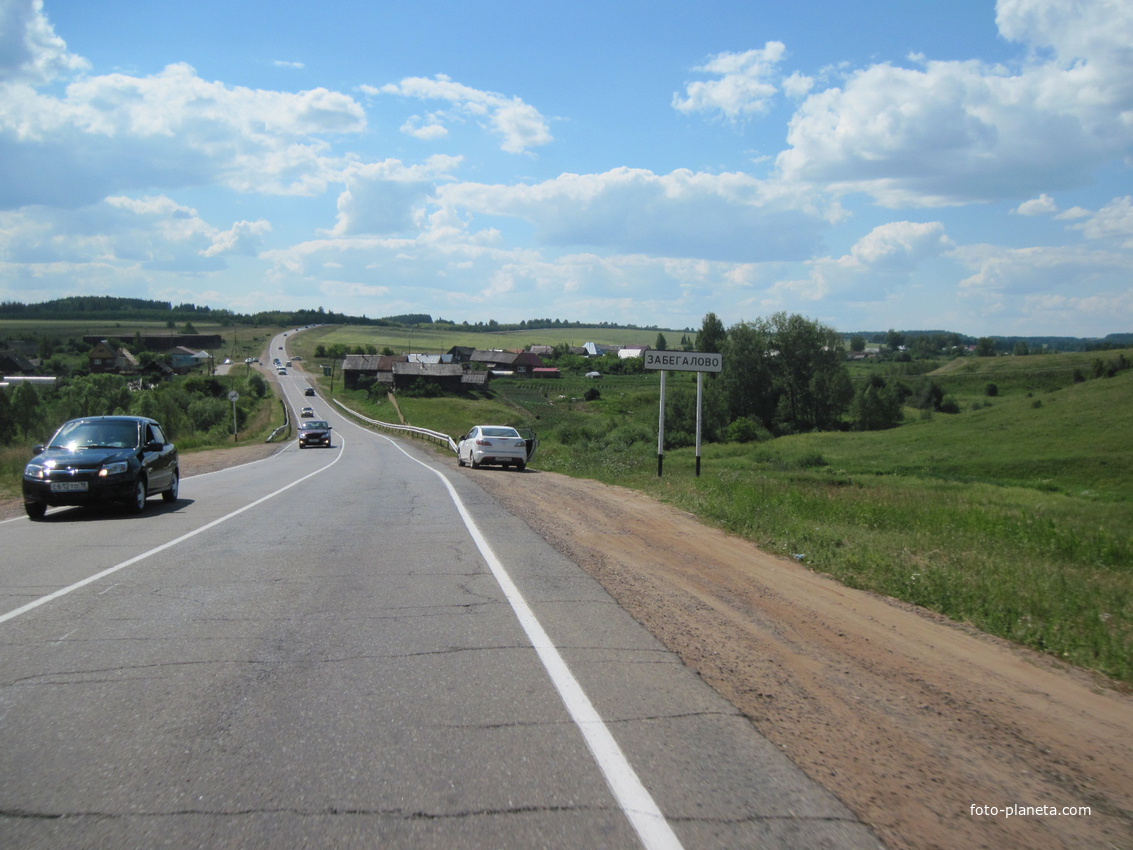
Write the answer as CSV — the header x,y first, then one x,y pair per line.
x,y
909,718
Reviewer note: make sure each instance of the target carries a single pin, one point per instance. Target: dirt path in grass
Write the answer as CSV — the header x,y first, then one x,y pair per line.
x,y
910,719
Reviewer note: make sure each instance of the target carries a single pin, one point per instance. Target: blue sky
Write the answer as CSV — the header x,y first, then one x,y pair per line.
x,y
910,164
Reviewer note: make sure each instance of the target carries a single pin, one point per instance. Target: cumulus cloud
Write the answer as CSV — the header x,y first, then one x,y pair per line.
x,y
1113,221
123,235
388,197
116,133
1042,205
999,272
520,125
244,237
878,262
732,216
743,86
962,131
30,51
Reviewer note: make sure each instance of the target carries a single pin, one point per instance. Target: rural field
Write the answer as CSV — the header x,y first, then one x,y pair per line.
x,y
1014,514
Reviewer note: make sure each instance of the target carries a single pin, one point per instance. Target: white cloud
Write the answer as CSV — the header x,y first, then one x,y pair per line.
x,y
1042,205
731,216
117,242
171,129
30,51
880,261
284,63
1113,221
957,132
743,87
426,129
244,237
519,123
1000,271
388,197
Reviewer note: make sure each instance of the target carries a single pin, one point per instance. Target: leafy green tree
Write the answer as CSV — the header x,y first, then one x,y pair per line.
x,y
810,375
746,382
91,395
711,337
661,344
25,411
7,424
876,406
787,372
985,347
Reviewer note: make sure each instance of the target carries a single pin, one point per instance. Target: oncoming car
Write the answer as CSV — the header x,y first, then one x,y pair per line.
x,y
96,460
314,432
307,413
494,444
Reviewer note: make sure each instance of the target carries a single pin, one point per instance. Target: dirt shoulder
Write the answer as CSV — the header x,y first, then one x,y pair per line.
x,y
909,718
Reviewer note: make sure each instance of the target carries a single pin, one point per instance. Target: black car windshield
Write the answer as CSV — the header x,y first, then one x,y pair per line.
x,y
97,435
314,425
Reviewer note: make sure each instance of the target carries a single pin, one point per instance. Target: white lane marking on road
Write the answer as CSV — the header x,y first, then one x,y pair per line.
x,y
635,800
43,600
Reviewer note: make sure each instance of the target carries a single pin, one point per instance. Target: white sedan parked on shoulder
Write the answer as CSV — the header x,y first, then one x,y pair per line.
x,y
498,444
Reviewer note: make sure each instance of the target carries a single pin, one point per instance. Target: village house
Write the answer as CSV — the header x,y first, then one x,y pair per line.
x,y
103,358
519,363
398,372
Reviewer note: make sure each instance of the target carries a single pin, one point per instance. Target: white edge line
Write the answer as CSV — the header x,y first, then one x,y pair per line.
x,y
635,800
43,600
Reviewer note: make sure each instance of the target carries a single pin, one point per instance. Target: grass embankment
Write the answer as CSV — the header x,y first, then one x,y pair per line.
x,y
1016,516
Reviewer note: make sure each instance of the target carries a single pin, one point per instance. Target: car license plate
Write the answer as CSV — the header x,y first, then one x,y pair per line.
x,y
68,486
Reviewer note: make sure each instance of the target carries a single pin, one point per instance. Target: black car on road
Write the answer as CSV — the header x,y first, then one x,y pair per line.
x,y
97,460
314,432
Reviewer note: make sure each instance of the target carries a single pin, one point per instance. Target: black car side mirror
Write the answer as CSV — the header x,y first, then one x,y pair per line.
x,y
37,449
154,446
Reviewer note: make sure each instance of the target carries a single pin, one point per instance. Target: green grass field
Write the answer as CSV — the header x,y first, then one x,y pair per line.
x,y
1016,516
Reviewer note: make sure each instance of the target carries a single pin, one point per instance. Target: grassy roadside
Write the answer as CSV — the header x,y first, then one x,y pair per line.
x,y
1016,516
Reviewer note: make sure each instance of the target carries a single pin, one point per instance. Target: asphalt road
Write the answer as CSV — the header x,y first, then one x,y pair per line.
x,y
356,647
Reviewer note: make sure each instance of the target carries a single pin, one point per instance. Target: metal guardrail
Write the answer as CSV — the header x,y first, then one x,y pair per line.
x,y
286,426
443,439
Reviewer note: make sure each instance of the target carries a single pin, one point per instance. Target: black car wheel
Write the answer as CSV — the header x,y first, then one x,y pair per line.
x,y
170,495
138,503
35,510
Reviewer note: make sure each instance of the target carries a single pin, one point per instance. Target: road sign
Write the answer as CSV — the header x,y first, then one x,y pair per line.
x,y
233,395
683,361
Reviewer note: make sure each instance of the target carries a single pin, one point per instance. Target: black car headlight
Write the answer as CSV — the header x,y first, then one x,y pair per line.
x,y
35,470
118,467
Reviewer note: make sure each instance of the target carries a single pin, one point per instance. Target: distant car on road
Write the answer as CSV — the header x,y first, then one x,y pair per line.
x,y
307,413
493,444
96,460
314,432
309,391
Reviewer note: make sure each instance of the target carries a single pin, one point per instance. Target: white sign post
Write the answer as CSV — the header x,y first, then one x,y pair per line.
x,y
232,397
681,361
